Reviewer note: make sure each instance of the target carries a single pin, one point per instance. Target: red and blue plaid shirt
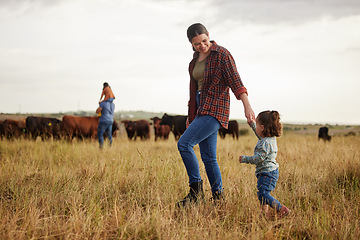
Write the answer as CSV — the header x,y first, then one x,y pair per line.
x,y
220,74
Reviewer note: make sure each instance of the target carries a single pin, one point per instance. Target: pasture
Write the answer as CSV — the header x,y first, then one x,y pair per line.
x,y
62,190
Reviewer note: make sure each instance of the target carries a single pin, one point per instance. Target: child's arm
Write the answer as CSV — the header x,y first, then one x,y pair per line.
x,y
102,94
251,159
253,126
262,150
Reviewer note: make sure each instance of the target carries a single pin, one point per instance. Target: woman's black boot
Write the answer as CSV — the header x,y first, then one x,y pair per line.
x,y
195,195
218,197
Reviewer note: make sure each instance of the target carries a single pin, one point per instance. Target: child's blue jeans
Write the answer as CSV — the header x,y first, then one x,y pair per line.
x,y
203,131
265,184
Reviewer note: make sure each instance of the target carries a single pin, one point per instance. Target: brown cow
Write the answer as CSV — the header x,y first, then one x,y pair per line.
x,y
140,128
74,126
233,129
2,129
12,129
160,131
82,127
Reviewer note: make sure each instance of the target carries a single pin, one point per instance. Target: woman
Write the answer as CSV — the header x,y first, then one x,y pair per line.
x,y
212,72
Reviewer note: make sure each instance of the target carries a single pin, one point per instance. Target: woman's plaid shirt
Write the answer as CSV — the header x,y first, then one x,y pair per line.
x,y
220,74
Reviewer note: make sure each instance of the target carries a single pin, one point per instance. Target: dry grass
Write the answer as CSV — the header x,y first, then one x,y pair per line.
x,y
60,190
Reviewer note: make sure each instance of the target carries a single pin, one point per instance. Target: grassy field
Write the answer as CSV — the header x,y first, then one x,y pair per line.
x,y
61,190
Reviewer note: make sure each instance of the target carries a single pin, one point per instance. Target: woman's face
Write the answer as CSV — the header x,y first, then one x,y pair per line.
x,y
201,43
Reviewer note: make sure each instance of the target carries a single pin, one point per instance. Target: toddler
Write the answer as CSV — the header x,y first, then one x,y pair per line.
x,y
107,93
267,128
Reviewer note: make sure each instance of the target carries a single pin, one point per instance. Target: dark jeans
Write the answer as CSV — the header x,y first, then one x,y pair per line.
x,y
265,184
203,131
102,128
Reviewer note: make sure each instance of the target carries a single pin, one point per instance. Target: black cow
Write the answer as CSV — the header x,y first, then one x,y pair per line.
x,y
114,128
324,134
177,124
43,127
233,129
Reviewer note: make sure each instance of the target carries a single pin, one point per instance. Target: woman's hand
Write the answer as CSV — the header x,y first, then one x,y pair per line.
x,y
249,113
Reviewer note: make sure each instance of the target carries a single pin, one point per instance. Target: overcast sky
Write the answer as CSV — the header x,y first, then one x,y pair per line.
x,y
300,57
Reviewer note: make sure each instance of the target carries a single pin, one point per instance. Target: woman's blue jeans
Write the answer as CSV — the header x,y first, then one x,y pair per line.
x,y
265,184
203,131
102,128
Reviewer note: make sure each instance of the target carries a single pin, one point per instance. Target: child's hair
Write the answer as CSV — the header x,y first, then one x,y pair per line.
x,y
271,122
105,85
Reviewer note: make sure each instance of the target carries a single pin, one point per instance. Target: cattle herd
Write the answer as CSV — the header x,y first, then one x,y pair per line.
x,y
71,127
44,127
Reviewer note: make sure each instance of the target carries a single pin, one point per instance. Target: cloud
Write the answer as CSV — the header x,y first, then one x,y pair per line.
x,y
281,11
13,4
255,11
20,7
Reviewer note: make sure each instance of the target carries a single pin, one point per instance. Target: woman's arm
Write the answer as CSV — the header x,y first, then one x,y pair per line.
x,y
234,82
249,113
98,110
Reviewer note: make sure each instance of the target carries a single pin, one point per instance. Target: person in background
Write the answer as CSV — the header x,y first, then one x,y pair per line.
x,y
106,111
107,93
267,128
212,73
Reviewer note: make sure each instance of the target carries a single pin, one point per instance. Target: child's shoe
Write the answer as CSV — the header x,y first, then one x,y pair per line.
x,y
265,212
283,212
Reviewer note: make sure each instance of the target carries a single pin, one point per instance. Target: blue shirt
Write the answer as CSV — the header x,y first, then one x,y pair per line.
x,y
264,157
107,111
